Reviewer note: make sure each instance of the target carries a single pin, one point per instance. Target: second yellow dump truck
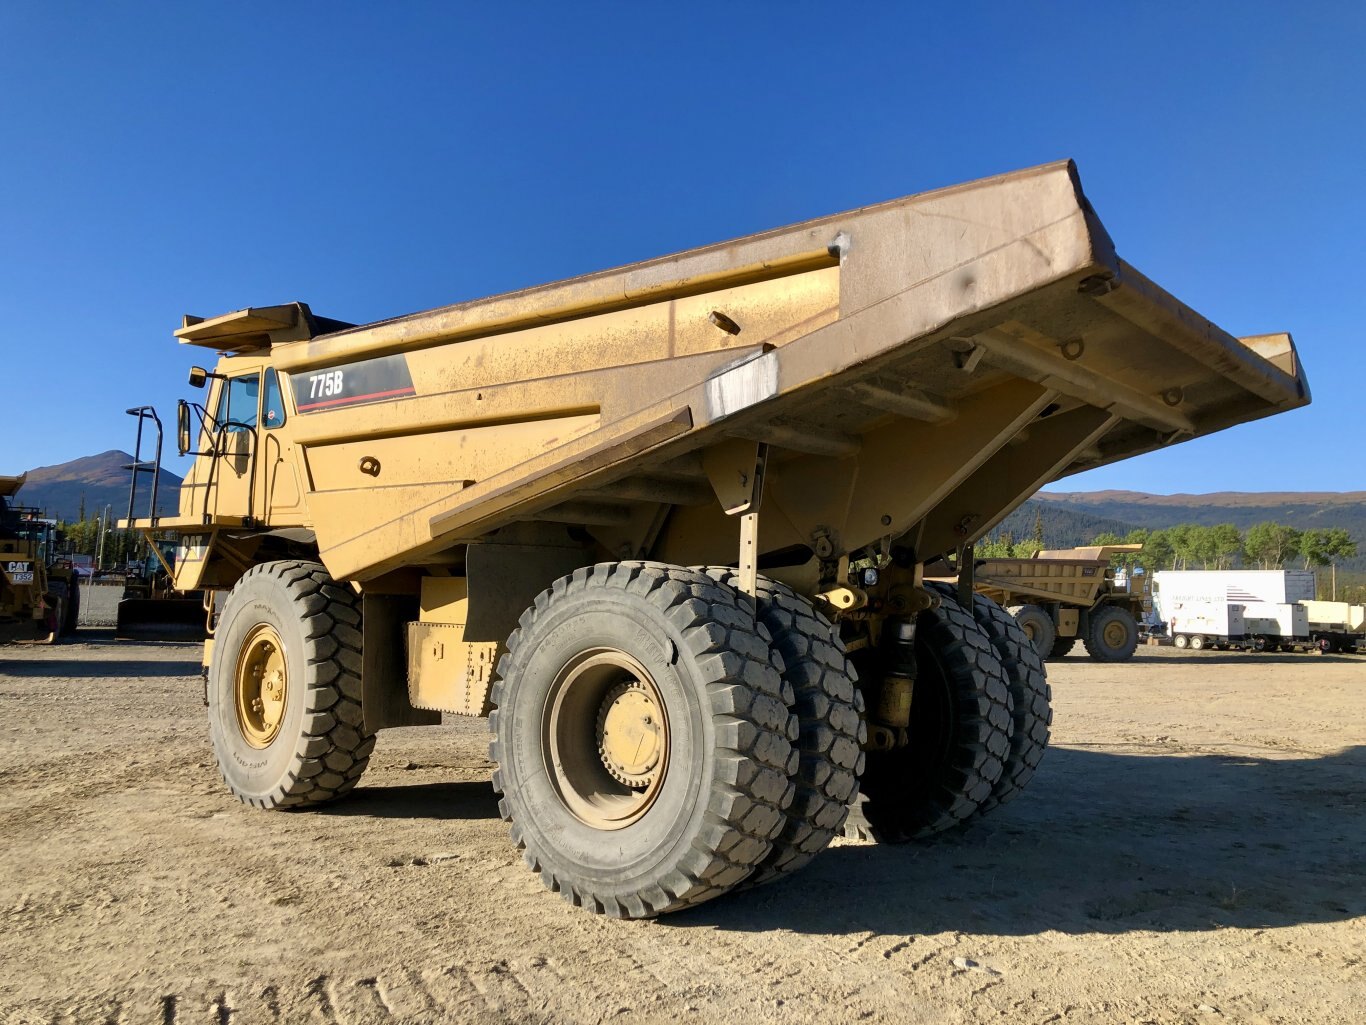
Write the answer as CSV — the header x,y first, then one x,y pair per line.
x,y
1064,595
666,525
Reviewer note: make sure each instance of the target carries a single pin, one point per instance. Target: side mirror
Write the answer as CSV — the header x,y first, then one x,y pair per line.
x,y
182,423
198,378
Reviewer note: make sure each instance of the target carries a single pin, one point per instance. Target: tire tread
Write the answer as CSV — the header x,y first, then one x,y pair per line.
x,y
744,809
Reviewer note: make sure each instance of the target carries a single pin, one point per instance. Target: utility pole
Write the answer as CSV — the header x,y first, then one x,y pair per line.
x,y
104,529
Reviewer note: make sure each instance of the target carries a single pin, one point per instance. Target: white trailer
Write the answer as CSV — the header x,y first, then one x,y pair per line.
x,y
1272,626
1233,586
1336,625
1206,624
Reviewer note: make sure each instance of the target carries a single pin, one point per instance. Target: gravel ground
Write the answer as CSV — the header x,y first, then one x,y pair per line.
x,y
100,604
1192,850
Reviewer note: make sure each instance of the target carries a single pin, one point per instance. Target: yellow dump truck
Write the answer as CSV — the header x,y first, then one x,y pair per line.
x,y
1063,595
39,596
665,526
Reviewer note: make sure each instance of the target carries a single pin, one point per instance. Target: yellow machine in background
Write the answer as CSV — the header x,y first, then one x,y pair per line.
x,y
1064,595
151,609
39,597
667,526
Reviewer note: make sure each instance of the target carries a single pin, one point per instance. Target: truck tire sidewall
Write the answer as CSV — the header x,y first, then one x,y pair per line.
x,y
1062,647
1096,645
626,623
250,771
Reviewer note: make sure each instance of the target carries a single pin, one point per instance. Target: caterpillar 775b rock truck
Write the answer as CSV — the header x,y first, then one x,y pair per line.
x,y
665,526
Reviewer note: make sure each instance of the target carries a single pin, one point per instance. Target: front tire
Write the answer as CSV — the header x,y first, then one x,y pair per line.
x,y
73,606
1112,635
284,688
643,738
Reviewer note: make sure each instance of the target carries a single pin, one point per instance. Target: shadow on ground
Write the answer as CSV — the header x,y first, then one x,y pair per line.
x,y
458,800
1101,842
78,668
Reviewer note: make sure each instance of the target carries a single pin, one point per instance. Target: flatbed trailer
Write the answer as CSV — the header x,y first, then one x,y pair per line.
x,y
667,526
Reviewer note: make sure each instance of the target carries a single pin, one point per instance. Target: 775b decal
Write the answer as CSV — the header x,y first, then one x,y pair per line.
x,y
352,384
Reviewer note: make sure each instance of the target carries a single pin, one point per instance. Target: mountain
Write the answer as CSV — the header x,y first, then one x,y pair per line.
x,y
98,480
1302,509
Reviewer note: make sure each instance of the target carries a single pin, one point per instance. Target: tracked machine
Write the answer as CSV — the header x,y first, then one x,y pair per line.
x,y
666,526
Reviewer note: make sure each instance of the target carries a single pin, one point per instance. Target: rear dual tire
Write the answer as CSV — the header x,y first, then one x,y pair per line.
x,y
960,736
1037,625
1031,707
693,804
830,717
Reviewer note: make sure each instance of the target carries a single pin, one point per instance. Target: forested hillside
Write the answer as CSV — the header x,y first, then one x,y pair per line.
x,y
1320,532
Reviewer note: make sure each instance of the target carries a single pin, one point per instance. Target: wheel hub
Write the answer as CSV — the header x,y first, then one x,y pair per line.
x,y
606,738
1115,635
630,739
260,684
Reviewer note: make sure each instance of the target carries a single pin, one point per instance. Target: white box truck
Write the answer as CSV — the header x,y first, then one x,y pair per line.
x,y
1235,586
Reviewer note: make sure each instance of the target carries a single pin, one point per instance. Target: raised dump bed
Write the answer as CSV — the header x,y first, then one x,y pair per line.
x,y
492,507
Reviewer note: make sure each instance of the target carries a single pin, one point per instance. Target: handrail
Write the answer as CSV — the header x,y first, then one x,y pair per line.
x,y
138,465
220,438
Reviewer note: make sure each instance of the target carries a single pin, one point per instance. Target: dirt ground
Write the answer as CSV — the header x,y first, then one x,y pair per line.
x,y
1192,850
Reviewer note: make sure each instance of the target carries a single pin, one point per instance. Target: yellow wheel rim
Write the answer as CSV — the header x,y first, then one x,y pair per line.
x,y
261,683
605,735
1115,634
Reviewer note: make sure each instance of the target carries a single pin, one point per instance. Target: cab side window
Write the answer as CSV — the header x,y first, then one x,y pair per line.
x,y
239,402
273,412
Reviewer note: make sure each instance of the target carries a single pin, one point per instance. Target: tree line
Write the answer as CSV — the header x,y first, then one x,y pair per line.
x,y
1197,546
82,537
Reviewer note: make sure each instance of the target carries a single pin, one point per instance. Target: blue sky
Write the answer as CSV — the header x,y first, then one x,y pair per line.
x,y
379,159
